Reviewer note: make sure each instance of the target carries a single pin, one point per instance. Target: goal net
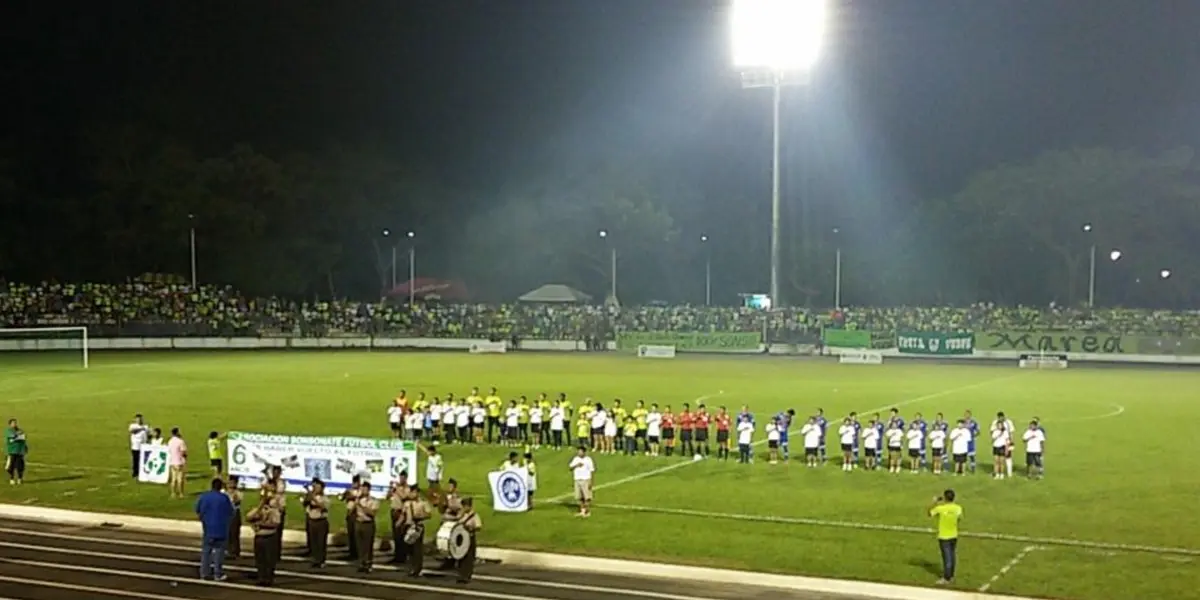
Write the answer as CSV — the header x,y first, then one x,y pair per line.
x,y
44,347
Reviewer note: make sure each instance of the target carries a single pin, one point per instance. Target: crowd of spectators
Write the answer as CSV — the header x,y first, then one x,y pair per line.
x,y
176,309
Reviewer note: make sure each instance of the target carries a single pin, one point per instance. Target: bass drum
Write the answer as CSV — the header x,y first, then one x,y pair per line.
x,y
453,540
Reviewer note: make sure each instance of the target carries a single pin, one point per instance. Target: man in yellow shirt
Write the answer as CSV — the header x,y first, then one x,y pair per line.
x,y
494,406
639,414
948,513
523,419
568,413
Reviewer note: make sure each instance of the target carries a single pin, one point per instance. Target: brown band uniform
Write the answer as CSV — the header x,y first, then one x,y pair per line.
x,y
267,523
364,527
316,524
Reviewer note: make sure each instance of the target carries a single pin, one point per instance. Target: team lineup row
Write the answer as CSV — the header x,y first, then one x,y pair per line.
x,y
613,429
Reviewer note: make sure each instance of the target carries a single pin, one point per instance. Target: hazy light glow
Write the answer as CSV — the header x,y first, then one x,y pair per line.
x,y
780,35
1115,255
704,238
411,235
1087,227
603,233
1165,273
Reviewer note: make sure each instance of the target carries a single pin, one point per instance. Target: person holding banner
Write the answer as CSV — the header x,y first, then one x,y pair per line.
x,y
316,522
365,508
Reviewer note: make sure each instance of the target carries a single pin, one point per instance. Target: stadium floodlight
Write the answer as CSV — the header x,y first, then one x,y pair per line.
x,y
775,44
1115,255
1164,274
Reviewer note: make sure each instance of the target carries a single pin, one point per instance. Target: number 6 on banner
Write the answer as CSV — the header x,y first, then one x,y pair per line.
x,y
239,454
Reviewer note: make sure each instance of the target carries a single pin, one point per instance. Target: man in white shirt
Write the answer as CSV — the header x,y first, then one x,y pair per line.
x,y
937,446
395,414
916,446
139,434
536,416
462,421
773,427
870,441
435,419
846,435
512,418
558,423
960,445
812,434
434,469
1012,434
478,420
1001,440
582,470
895,445
745,433
653,429
1035,441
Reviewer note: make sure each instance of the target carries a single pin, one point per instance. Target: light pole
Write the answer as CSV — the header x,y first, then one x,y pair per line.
x,y
1087,228
612,276
387,233
412,268
775,44
707,271
192,245
837,269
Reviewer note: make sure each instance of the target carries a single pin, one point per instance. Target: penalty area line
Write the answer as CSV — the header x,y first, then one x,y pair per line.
x,y
1016,560
1002,537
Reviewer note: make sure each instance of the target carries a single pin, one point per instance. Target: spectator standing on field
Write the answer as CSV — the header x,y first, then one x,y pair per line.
x,y
215,510
15,447
177,462
139,435
948,513
583,468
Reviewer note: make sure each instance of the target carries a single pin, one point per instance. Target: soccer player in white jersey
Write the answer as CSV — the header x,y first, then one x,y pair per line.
x,y
1035,441
395,414
895,446
772,441
1012,435
558,423
960,445
653,429
846,434
435,417
916,445
745,435
870,442
536,416
812,434
478,421
1001,439
937,447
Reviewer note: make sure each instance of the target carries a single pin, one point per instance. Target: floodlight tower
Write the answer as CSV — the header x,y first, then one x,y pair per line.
x,y
776,44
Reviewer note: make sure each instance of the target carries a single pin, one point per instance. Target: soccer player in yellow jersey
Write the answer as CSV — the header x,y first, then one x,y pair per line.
x,y
583,428
523,419
619,414
494,407
639,416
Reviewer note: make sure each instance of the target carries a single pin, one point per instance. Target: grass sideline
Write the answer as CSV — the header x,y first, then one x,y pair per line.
x,y
1117,486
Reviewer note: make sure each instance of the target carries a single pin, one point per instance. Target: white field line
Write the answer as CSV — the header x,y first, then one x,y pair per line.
x,y
1087,544
1119,410
681,464
28,583
642,475
1016,560
98,393
383,567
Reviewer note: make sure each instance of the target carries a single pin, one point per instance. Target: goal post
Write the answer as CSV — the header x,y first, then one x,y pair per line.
x,y
40,340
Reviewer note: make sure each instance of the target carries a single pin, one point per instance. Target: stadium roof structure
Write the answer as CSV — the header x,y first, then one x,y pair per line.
x,y
555,293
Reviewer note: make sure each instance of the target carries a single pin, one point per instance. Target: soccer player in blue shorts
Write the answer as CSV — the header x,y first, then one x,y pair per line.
x,y
823,424
940,424
919,421
857,433
973,427
785,423
880,427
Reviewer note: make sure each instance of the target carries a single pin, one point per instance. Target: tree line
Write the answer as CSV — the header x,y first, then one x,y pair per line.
x,y
310,225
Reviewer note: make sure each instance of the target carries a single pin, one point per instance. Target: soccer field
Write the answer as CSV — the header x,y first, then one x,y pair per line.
x,y
1115,517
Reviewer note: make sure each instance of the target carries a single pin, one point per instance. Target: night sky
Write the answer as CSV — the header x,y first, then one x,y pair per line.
x,y
909,98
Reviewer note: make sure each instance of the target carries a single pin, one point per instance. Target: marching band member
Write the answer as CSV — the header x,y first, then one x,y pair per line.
x,y
350,497
235,524
473,524
396,497
365,508
452,506
267,521
316,525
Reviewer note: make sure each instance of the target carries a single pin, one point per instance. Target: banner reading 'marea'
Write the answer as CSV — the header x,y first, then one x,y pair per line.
x,y
740,341
1053,341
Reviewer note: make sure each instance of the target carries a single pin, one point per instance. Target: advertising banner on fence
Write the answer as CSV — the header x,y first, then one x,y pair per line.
x,y
1054,341
335,459
935,342
857,338
154,464
725,341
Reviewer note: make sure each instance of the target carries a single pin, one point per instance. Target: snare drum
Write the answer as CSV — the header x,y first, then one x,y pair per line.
x,y
453,540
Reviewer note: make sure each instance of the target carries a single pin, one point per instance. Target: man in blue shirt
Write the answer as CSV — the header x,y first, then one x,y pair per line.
x,y
973,427
823,423
215,510
785,423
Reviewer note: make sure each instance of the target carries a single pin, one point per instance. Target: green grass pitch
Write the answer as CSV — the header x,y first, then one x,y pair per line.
x,y
1122,458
